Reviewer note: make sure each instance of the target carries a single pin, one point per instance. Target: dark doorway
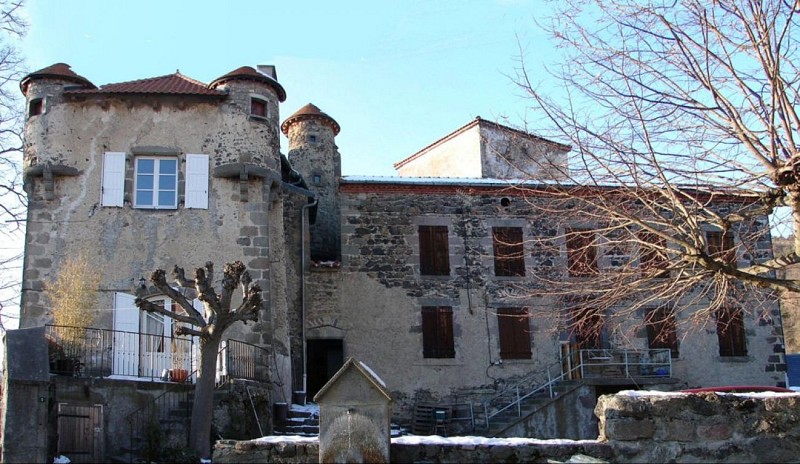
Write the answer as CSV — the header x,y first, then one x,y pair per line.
x,y
325,358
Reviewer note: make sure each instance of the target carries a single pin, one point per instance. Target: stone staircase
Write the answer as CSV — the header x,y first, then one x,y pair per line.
x,y
299,421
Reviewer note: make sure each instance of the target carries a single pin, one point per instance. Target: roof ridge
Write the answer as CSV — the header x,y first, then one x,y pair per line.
x,y
149,79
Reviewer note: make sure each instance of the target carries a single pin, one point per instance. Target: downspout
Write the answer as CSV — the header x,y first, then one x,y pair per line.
x,y
303,217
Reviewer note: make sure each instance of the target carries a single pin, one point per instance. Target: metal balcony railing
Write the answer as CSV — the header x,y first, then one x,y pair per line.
x,y
92,352
241,360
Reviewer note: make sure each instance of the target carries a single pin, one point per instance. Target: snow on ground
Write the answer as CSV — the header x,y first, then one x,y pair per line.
x,y
437,440
643,393
473,440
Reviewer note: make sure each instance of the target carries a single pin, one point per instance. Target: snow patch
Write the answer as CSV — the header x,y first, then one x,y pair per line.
x,y
373,374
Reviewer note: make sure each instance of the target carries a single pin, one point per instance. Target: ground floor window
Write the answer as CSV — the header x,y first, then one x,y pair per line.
x,y
514,332
437,332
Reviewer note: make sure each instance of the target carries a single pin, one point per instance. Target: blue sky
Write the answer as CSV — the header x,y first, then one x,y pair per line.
x,y
395,75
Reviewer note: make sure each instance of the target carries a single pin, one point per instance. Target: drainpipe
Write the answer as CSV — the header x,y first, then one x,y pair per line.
x,y
303,217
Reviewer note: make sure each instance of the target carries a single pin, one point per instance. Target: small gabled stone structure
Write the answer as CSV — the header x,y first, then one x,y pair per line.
x,y
355,412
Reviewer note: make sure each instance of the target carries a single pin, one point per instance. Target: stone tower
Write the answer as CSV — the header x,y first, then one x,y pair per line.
x,y
313,153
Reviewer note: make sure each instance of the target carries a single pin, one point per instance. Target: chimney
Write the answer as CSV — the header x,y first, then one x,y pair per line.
x,y
268,69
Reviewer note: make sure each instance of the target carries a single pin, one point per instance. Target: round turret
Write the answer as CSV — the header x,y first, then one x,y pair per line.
x,y
313,153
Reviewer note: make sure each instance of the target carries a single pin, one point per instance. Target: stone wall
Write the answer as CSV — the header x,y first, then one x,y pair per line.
x,y
701,428
290,452
645,427
380,293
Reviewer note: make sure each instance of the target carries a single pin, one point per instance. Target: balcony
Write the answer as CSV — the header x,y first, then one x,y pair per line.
x,y
102,353
611,366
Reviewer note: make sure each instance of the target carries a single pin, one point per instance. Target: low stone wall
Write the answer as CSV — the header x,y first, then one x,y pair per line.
x,y
706,427
634,427
405,450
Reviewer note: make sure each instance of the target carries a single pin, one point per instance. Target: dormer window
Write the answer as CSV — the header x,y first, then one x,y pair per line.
x,y
258,107
36,107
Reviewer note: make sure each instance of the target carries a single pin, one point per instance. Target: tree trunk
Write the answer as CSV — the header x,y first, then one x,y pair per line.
x,y
203,407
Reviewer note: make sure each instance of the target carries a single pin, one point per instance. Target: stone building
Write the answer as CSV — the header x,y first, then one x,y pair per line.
x,y
411,274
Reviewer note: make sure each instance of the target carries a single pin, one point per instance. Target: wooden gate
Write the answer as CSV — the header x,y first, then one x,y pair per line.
x,y
80,432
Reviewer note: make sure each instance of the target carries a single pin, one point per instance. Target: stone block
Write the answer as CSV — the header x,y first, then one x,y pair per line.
x,y
676,430
629,429
714,432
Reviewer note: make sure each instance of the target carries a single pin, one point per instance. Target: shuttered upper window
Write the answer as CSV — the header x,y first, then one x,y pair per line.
x,y
514,333
434,252
720,245
509,257
156,181
437,332
581,252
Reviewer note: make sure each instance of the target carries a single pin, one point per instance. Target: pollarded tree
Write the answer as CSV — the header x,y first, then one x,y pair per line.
x,y
682,116
208,325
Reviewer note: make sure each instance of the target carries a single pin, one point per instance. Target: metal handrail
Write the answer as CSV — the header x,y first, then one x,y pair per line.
x,y
658,363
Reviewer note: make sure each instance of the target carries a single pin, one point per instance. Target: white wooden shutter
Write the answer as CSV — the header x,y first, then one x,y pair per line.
x,y
196,181
113,186
126,337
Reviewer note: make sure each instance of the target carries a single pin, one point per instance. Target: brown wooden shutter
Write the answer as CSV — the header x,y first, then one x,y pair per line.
x,y
652,261
581,252
437,332
434,252
514,333
509,257
720,245
730,332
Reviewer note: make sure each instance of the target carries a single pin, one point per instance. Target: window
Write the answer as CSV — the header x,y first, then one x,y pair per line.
x,y
258,107
156,183
36,107
434,253
311,138
661,330
652,258
581,252
509,257
587,328
514,333
720,246
437,332
730,332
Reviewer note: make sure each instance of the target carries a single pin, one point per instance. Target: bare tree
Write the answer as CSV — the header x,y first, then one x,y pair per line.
x,y
682,120
209,326
12,198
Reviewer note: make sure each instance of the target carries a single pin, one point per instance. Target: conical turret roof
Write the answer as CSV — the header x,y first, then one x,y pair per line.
x,y
310,111
61,71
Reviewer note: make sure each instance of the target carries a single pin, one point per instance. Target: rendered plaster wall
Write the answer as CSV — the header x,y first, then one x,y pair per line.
x,y
126,243
458,156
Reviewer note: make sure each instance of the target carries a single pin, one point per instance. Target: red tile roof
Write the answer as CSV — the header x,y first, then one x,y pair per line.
x,y
310,111
61,71
170,84
248,73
